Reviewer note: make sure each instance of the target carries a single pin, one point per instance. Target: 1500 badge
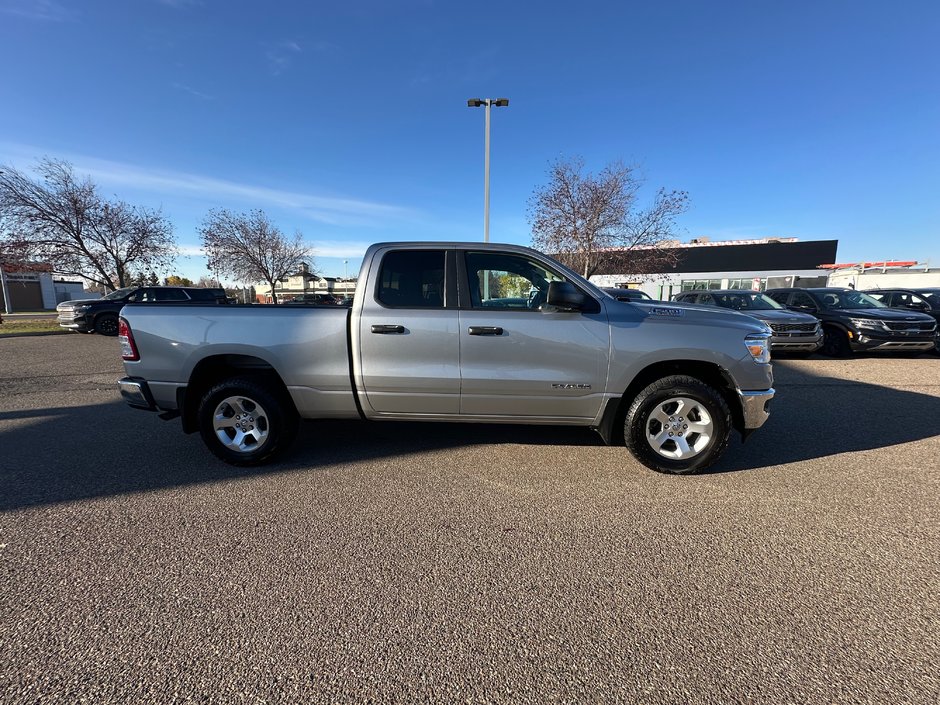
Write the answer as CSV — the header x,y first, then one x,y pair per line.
x,y
570,386
663,311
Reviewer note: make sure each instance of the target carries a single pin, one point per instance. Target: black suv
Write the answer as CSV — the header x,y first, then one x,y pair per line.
x,y
922,300
854,321
101,315
793,331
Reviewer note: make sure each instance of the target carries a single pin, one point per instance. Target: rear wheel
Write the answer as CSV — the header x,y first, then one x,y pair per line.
x,y
678,425
244,422
106,324
835,342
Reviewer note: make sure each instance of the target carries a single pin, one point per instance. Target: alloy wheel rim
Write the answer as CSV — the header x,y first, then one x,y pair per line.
x,y
679,428
240,424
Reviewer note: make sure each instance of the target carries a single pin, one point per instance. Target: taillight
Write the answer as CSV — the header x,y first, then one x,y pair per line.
x,y
126,337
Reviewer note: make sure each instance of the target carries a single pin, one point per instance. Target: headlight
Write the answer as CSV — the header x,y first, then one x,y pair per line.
x,y
870,323
759,347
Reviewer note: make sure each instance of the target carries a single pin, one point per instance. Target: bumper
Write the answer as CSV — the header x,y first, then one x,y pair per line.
x,y
755,407
796,343
79,323
867,341
136,393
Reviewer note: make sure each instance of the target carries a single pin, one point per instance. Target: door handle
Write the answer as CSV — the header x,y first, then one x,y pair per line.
x,y
485,330
388,329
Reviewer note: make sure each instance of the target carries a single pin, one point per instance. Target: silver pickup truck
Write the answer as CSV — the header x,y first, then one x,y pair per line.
x,y
460,332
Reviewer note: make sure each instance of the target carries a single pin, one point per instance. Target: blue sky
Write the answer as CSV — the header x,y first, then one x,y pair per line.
x,y
348,121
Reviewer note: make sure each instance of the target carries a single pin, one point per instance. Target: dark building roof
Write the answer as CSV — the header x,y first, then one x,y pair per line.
x,y
715,257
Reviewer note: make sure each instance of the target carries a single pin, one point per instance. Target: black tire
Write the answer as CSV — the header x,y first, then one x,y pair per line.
x,y
263,414
107,324
835,343
706,407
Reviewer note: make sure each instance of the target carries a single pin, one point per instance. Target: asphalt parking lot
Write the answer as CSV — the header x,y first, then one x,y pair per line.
x,y
448,563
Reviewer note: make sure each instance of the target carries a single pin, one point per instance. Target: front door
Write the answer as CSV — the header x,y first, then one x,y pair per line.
x,y
520,357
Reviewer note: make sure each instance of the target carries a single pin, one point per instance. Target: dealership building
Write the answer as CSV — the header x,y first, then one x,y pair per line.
x,y
726,264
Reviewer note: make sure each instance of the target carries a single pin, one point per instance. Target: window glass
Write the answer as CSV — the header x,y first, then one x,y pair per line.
x,y
412,279
849,299
882,296
802,299
706,299
506,281
119,294
168,295
746,301
780,296
206,294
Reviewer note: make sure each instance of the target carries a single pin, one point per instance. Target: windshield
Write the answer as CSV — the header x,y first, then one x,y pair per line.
x,y
740,301
120,293
831,298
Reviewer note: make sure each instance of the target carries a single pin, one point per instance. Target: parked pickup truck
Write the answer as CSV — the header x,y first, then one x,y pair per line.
x,y
101,315
456,332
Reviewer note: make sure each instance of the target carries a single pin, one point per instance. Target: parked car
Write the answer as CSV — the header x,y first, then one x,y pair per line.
x,y
792,331
628,294
101,315
923,300
853,321
432,336
314,300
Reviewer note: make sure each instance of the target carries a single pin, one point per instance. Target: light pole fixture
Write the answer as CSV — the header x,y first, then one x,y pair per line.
x,y
487,103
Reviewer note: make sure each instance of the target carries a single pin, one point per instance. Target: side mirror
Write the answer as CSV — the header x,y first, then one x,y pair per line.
x,y
565,295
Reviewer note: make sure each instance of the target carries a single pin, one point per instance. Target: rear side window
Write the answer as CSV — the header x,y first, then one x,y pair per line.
x,y
169,295
205,294
412,279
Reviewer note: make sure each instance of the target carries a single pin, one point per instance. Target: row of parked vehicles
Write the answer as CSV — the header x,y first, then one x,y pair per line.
x,y
101,315
833,321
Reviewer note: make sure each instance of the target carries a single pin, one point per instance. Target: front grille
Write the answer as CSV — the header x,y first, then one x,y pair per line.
x,y
912,327
793,327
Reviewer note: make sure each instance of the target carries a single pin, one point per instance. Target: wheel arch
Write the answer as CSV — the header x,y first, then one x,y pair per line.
x,y
211,370
611,426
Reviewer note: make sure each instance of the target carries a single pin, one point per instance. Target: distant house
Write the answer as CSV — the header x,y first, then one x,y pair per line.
x,y
303,281
35,288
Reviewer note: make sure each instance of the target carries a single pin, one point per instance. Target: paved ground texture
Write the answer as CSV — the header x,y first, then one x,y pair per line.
x,y
437,563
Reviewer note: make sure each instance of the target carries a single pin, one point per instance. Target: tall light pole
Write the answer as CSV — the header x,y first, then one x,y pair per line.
x,y
487,103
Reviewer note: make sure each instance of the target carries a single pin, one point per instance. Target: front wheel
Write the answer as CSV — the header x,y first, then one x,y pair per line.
x,y
244,422
835,343
106,324
678,425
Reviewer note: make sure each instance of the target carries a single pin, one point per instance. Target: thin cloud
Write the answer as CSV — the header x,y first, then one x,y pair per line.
x,y
330,210
340,250
39,10
281,56
192,91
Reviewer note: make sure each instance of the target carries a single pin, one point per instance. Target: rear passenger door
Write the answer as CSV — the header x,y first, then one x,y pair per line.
x,y
408,342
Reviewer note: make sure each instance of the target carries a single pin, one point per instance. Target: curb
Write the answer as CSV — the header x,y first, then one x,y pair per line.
x,y
33,334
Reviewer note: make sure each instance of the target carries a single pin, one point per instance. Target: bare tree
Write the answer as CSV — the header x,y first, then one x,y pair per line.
x,y
63,220
586,219
250,248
